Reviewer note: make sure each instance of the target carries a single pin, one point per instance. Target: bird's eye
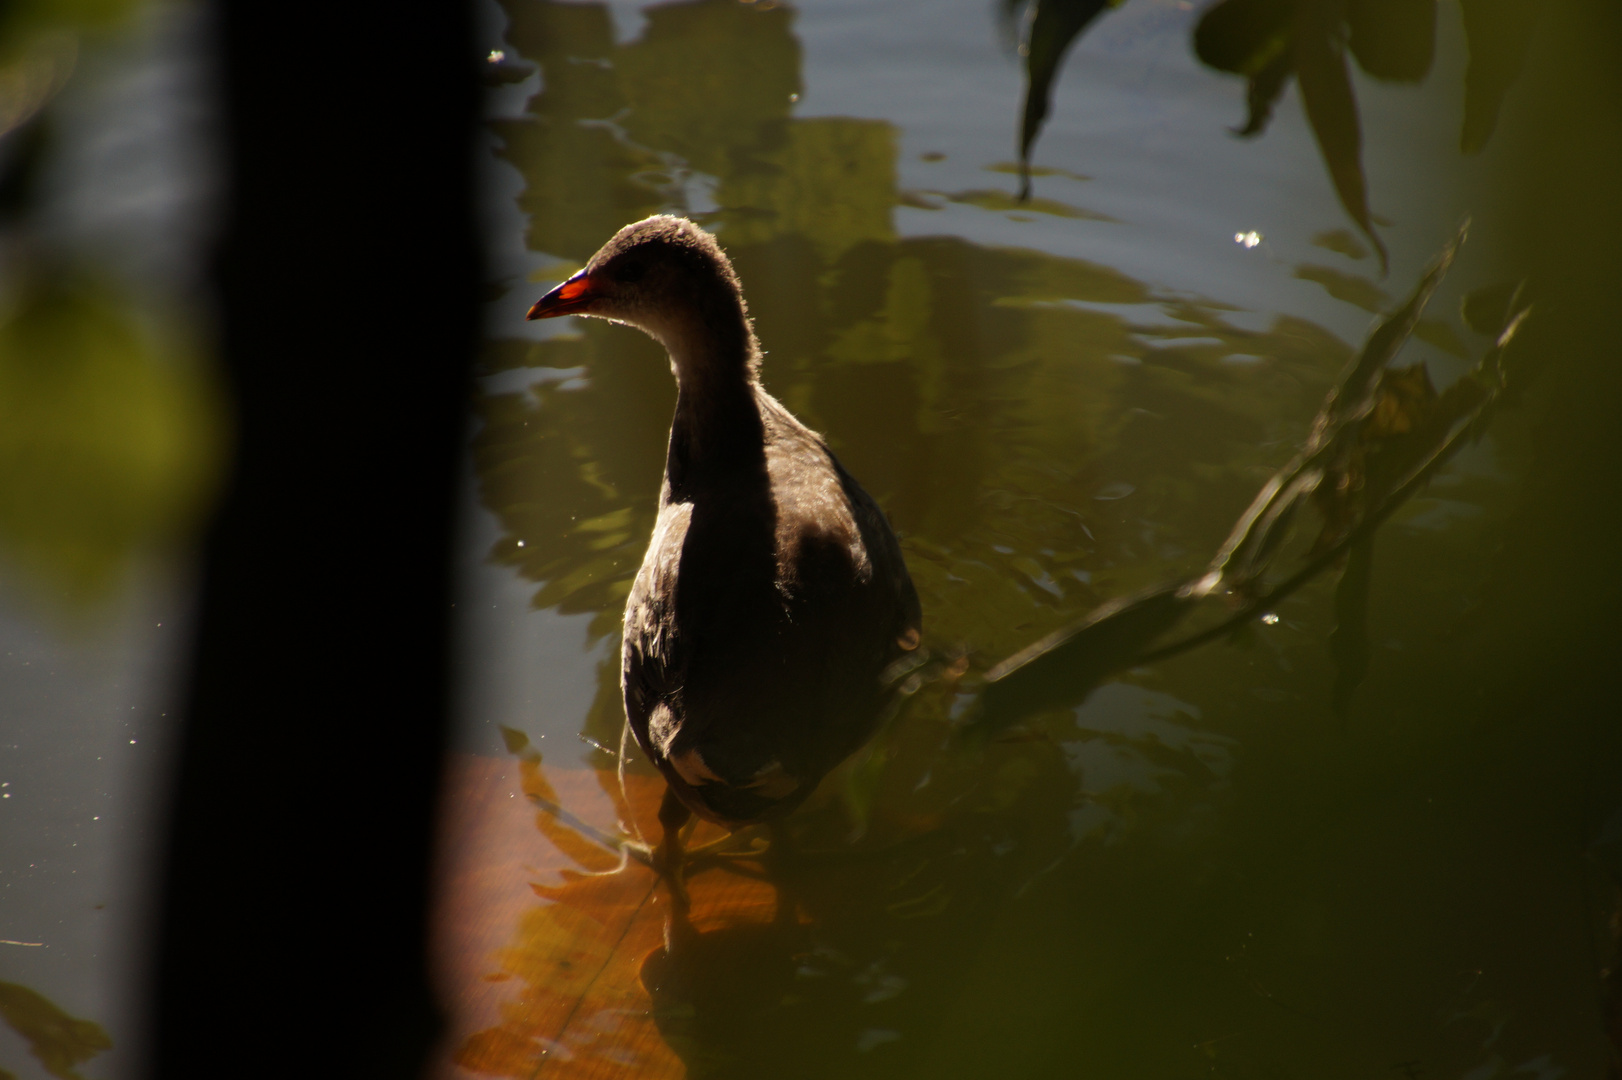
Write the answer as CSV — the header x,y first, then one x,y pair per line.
x,y
631,273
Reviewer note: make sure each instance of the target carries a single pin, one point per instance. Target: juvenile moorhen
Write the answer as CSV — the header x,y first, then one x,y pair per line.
x,y
773,594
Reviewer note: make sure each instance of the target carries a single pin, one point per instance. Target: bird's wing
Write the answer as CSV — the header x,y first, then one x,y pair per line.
x,y
884,554
653,655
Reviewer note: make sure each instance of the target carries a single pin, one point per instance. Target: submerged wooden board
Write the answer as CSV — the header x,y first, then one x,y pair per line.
x,y
540,935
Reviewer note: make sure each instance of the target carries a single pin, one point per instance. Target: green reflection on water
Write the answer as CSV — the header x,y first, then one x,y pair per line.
x,y
1201,871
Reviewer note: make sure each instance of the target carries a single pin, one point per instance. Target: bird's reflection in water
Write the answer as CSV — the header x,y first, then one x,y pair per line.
x,y
798,998
816,955
726,1000
871,932
857,954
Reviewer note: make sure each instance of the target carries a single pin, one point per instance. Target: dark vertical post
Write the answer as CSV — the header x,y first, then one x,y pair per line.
x,y
292,924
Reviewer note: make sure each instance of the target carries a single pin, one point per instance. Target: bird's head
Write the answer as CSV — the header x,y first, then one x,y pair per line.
x,y
660,275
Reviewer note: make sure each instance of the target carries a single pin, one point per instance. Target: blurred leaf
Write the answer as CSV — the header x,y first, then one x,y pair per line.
x,y
1486,310
1353,397
31,80
1244,556
1250,38
1326,93
1498,33
1401,405
109,441
1054,28
1263,91
26,18
1243,37
1393,39
1405,395
58,1040
1268,40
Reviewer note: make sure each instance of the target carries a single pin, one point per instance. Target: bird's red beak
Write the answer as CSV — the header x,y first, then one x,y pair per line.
x,y
567,299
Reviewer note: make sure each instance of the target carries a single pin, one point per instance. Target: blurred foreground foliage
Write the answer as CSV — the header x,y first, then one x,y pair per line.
x,y
111,428
1271,42
108,436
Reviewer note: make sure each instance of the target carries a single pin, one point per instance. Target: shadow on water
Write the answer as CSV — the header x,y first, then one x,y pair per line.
x,y
1171,869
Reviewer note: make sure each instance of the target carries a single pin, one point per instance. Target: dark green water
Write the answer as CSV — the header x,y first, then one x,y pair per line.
x,y
1203,870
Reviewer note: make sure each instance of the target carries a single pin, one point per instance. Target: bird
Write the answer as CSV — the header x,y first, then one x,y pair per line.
x,y
774,594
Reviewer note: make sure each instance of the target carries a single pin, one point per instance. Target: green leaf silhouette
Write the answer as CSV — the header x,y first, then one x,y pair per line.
x,y
1326,92
1242,37
1498,33
1054,28
1393,39
1263,91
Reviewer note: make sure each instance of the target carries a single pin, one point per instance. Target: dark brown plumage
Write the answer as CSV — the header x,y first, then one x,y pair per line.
x,y
773,594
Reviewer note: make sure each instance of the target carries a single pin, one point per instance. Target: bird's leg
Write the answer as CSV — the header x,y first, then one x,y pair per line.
x,y
624,806
668,856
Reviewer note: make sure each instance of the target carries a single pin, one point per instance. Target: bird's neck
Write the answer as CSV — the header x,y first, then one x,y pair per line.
x,y
717,427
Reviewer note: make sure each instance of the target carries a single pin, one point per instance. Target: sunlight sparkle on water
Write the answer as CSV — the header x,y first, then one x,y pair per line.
x,y
1248,239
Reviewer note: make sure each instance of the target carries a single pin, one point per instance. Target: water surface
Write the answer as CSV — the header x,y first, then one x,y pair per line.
x,y
1202,870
